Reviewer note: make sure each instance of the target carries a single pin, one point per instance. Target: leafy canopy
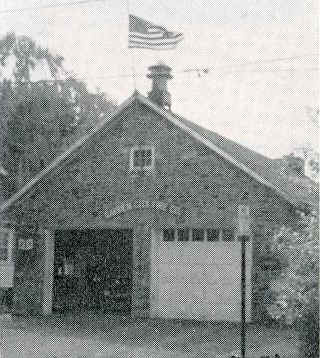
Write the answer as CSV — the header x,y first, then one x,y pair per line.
x,y
38,119
297,251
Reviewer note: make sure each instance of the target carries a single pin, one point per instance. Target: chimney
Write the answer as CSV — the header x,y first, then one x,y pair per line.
x,y
159,94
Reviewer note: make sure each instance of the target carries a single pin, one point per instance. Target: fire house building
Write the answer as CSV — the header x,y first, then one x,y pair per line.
x,y
139,216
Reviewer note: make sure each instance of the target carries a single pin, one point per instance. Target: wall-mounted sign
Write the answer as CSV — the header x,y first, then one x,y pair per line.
x,y
142,204
244,220
25,244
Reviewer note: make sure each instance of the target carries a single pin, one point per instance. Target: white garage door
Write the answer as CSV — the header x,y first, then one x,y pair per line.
x,y
198,280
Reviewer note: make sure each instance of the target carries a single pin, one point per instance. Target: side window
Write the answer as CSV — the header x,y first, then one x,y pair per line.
x,y
142,158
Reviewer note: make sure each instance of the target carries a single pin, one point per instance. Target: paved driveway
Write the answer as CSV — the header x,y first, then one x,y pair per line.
x,y
107,336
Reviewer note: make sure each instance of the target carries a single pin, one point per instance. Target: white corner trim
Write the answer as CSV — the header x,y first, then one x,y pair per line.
x,y
48,237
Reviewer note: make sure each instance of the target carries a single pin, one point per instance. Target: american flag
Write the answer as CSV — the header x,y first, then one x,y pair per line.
x,y
145,34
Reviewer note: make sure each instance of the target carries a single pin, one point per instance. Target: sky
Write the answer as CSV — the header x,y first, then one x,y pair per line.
x,y
262,105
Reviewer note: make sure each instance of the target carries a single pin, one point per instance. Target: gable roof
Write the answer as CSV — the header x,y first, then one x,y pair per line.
x,y
296,189
254,164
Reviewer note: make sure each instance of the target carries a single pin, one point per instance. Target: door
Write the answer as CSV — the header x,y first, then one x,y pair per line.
x,y
93,270
198,280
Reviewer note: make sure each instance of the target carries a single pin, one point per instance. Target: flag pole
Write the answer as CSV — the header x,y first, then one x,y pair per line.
x,y
133,67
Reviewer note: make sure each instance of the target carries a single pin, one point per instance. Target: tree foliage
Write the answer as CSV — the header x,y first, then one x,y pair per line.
x,y
296,296
39,119
298,251
26,54
311,155
314,164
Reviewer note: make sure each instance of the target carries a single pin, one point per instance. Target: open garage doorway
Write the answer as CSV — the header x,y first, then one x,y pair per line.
x,y
93,270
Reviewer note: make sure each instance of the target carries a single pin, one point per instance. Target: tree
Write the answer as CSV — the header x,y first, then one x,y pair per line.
x,y
314,165
311,158
26,54
296,297
309,154
39,119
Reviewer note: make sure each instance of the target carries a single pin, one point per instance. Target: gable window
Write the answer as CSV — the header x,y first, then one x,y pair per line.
x,y
142,158
5,244
197,234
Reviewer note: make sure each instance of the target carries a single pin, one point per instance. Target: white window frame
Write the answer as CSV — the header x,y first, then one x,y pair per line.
x,y
10,244
142,147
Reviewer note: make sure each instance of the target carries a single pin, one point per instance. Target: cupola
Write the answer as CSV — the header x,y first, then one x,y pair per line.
x,y
159,94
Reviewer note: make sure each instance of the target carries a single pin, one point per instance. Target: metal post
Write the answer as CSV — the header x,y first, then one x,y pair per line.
x,y
243,296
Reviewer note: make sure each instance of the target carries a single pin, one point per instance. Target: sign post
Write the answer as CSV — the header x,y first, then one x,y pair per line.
x,y
244,233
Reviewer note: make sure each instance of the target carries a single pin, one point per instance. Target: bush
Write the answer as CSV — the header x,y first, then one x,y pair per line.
x,y
309,333
296,299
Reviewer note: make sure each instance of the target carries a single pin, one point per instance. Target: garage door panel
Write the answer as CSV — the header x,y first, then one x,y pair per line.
x,y
186,307
184,254
222,293
222,312
221,273
180,313
180,272
183,286
170,311
230,310
226,253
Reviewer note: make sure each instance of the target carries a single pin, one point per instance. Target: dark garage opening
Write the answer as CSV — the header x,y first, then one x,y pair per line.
x,y
93,270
